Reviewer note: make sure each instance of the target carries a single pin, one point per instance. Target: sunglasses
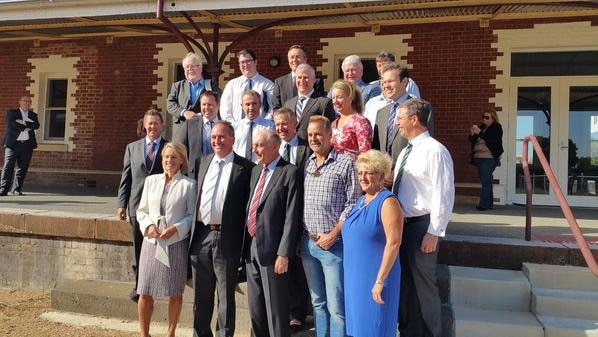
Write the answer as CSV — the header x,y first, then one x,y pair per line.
x,y
487,117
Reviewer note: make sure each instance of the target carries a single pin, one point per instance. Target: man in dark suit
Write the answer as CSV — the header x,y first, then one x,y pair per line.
x,y
272,224
183,101
284,86
19,143
395,79
198,131
142,159
295,151
308,102
217,237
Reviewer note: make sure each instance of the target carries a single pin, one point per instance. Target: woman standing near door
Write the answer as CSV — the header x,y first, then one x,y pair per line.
x,y
486,147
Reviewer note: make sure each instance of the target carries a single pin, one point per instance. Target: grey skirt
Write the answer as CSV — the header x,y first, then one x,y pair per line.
x,y
156,279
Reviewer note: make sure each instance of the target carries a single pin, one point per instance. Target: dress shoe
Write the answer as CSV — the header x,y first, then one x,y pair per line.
x,y
295,325
15,192
3,194
480,208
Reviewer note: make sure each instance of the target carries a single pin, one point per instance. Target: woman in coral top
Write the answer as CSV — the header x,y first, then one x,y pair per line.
x,y
351,132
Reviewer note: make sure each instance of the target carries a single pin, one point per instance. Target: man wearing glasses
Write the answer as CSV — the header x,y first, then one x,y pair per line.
x,y
232,96
331,190
183,102
19,143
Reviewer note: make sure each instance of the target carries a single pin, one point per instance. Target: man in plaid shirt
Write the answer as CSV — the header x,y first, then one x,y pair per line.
x,y
331,190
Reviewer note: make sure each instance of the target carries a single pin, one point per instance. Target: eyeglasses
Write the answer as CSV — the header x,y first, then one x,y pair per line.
x,y
192,66
487,117
246,62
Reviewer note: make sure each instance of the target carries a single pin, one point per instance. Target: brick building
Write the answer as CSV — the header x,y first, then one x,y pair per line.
x,y
92,71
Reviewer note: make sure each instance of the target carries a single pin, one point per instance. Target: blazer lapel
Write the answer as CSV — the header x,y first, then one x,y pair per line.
x,y
201,175
306,109
187,94
382,118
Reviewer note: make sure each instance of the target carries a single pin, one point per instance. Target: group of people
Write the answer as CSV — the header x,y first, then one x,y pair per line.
x,y
341,199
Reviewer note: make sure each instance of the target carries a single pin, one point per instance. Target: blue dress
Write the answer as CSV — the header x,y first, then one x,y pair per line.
x,y
364,241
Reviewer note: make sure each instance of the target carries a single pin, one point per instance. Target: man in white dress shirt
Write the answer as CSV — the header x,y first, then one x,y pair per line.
x,y
230,103
424,184
249,126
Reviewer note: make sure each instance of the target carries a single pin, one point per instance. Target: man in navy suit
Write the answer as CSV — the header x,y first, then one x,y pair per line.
x,y
183,101
141,160
19,143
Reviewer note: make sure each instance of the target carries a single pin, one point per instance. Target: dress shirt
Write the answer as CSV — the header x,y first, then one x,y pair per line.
x,y
230,103
206,134
220,193
271,168
242,131
194,91
24,135
427,185
372,107
294,143
148,141
331,195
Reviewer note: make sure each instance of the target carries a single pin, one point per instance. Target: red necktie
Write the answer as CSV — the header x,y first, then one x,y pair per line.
x,y
252,221
151,156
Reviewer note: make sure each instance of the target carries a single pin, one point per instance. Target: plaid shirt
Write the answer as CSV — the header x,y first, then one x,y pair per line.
x,y
331,191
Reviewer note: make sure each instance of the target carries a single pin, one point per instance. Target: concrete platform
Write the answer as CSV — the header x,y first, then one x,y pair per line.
x,y
476,322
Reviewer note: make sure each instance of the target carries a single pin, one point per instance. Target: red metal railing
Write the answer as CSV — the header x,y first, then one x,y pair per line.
x,y
581,241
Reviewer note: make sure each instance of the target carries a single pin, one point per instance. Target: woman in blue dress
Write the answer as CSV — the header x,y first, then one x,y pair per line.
x,y
372,236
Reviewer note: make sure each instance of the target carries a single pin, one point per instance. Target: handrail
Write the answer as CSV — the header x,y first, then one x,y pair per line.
x,y
581,241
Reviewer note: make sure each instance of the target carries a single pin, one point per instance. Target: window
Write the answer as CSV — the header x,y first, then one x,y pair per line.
x,y
575,63
55,110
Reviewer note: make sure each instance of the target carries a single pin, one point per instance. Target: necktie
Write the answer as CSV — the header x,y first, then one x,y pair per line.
x,y
248,84
207,132
299,107
249,144
286,155
252,220
151,155
395,188
391,126
210,186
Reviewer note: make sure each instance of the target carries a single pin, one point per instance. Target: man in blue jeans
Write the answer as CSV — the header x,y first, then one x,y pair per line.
x,y
331,190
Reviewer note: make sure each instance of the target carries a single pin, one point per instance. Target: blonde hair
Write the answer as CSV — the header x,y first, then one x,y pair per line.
x,y
353,92
376,161
492,113
181,151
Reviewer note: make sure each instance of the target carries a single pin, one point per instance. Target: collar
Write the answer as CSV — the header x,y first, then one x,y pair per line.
x,y
294,142
198,83
420,138
256,121
227,159
23,112
360,84
331,156
253,78
206,121
308,95
273,164
157,141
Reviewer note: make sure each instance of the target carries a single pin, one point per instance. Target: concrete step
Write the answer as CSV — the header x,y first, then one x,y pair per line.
x,y
560,277
565,303
489,288
111,299
477,322
568,327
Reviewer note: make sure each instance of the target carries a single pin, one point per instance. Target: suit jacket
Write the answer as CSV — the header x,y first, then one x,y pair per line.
x,y
303,153
493,138
278,213
194,143
179,207
285,89
179,99
235,202
13,129
315,105
398,141
135,172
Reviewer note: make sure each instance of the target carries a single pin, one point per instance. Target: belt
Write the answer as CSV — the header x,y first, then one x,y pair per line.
x,y
22,141
416,219
311,236
211,227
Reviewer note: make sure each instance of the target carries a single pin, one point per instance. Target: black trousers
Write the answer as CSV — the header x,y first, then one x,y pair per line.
x,y
137,238
419,307
19,154
212,273
268,298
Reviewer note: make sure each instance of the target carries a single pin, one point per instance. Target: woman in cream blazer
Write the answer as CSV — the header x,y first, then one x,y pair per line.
x,y
165,217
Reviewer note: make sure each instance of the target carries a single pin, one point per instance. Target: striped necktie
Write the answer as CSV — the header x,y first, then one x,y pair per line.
x,y
395,188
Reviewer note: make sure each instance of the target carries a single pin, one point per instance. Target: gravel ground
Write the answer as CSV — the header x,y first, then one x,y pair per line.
x,y
20,312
